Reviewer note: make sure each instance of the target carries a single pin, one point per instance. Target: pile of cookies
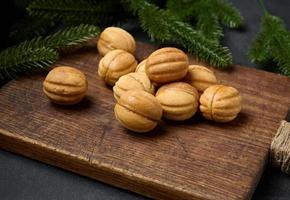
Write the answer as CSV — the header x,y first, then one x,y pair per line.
x,y
164,84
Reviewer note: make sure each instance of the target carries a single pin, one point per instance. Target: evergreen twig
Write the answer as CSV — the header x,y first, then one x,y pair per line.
x,y
208,14
185,10
160,24
163,26
23,59
227,13
76,12
207,21
71,36
272,42
40,52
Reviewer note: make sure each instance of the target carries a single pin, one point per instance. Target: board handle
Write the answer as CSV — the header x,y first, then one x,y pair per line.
x,y
280,147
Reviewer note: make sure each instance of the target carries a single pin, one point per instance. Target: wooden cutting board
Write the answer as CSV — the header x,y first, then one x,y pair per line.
x,y
194,159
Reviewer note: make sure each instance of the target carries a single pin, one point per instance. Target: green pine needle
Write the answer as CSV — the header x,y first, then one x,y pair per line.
x,y
183,9
259,51
203,48
23,59
207,21
222,10
71,36
160,24
272,42
227,13
163,26
208,14
75,11
41,52
156,29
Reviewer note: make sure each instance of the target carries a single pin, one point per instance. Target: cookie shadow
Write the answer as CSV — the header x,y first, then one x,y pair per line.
x,y
159,131
84,104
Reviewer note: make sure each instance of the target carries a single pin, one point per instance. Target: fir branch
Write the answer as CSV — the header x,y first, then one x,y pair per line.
x,y
273,41
208,14
172,29
209,26
197,44
71,36
61,9
41,52
207,21
183,9
227,13
221,9
259,51
76,11
279,42
23,59
155,28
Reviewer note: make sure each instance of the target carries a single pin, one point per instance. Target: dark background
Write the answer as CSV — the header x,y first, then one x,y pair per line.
x,y
25,179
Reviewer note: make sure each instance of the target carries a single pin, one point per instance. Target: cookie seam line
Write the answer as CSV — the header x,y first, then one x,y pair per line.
x,y
211,102
124,106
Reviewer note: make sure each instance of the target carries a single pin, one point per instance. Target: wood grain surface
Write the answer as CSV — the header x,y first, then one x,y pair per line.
x,y
194,159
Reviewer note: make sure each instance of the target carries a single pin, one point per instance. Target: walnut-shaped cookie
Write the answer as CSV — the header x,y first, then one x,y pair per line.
x,y
200,77
141,66
138,111
65,85
179,100
115,64
115,38
166,65
220,103
132,81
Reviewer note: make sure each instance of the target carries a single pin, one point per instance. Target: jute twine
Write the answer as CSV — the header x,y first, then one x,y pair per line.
x,y
280,148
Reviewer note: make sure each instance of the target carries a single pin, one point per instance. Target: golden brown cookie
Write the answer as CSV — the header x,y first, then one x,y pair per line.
x,y
115,64
65,85
200,77
220,103
138,111
166,65
141,66
132,81
179,100
115,38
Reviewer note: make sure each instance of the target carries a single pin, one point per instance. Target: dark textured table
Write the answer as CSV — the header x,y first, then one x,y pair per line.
x,y
25,179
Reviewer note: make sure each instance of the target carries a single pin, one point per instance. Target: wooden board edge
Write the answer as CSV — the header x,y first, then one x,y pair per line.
x,y
256,180
256,70
117,177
